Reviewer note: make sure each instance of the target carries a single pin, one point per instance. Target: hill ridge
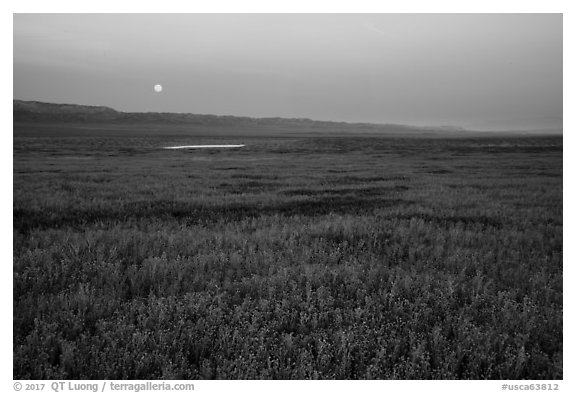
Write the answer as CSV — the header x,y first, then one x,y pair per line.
x,y
37,111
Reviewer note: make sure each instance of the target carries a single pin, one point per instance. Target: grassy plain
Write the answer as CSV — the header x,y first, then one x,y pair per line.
x,y
296,257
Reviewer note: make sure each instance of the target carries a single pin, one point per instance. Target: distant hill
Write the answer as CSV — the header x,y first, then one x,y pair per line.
x,y
42,111
47,113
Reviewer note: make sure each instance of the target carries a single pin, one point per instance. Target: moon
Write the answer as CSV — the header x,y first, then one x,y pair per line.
x,y
157,88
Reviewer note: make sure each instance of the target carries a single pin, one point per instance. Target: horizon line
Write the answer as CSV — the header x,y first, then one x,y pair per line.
x,y
447,127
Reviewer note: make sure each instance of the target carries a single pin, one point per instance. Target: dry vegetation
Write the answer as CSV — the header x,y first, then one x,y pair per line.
x,y
291,258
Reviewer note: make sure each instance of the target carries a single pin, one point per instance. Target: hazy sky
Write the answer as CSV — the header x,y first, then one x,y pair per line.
x,y
481,71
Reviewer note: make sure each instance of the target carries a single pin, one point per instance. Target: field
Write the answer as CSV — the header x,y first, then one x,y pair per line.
x,y
292,258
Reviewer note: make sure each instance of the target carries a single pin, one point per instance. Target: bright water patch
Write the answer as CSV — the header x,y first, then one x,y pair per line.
x,y
204,147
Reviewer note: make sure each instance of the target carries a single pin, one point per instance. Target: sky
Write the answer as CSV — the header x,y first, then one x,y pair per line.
x,y
478,71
